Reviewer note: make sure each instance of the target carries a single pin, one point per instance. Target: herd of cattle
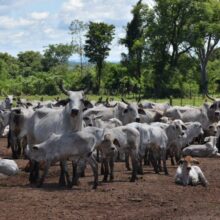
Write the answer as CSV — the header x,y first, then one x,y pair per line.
x,y
81,131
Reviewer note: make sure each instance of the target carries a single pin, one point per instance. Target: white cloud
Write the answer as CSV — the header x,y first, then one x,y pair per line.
x,y
72,5
10,23
34,27
39,15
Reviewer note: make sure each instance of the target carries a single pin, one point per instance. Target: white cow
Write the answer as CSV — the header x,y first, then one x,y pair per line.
x,y
72,146
125,140
45,121
124,111
193,130
188,174
208,149
8,167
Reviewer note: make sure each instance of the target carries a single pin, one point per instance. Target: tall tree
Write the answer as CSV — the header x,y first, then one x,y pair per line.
x,y
168,32
134,40
56,55
98,40
29,62
11,64
77,30
207,32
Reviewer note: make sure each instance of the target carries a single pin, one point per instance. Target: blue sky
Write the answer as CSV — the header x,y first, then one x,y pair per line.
x,y
34,24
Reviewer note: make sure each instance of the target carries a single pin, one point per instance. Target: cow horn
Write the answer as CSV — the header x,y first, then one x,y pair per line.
x,y
110,106
209,97
124,101
60,84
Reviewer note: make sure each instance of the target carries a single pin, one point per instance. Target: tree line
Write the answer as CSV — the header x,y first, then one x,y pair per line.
x,y
172,50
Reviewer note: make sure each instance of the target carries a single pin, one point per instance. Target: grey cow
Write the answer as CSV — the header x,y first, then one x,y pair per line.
x,y
72,146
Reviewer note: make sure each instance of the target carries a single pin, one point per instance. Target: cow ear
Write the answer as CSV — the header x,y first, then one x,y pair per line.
x,y
126,110
181,161
116,142
195,161
35,147
141,111
213,106
184,127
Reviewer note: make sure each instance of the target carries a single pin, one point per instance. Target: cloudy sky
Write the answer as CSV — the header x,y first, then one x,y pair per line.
x,y
34,24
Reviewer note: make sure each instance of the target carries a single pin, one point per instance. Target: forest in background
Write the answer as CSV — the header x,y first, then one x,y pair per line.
x,y
172,50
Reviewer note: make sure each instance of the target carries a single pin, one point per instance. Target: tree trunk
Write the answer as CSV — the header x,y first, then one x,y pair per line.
x,y
204,79
98,77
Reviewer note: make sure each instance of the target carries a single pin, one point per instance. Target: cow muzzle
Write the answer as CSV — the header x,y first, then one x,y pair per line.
x,y
137,119
217,113
188,168
74,112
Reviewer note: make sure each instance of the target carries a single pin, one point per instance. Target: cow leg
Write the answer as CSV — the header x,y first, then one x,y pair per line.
x,y
75,177
172,160
111,165
34,171
94,165
163,155
9,139
18,143
13,149
140,167
159,164
127,165
102,171
106,169
82,167
134,166
66,174
153,161
41,181
62,181
146,158
98,155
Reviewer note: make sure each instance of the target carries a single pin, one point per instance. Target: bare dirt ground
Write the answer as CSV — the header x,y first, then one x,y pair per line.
x,y
151,197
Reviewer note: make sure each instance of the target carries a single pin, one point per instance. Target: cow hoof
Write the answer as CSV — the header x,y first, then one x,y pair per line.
x,y
132,179
61,183
111,179
82,174
104,180
95,186
39,185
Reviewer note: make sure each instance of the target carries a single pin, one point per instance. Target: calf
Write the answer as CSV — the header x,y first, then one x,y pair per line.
x,y
189,174
69,146
125,140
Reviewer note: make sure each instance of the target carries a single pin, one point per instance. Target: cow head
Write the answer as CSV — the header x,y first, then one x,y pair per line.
x,y
214,108
131,112
187,162
75,103
108,145
35,152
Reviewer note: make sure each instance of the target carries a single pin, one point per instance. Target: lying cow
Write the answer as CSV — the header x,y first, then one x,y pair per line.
x,y
8,167
208,149
73,146
189,174
193,130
